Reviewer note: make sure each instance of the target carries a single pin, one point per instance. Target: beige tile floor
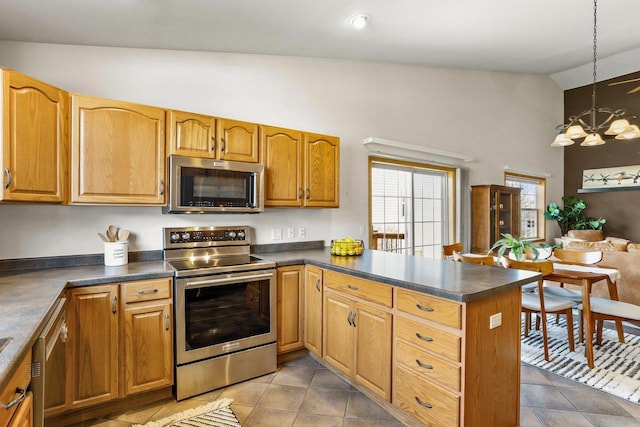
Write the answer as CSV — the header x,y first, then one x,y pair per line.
x,y
303,393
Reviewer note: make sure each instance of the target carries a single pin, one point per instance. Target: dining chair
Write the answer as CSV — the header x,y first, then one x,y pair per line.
x,y
474,259
618,311
447,250
540,304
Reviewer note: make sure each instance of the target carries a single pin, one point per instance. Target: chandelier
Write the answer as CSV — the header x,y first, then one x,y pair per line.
x,y
586,125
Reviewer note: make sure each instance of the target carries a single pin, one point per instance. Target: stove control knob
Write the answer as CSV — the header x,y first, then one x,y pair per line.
x,y
240,234
175,237
185,236
232,234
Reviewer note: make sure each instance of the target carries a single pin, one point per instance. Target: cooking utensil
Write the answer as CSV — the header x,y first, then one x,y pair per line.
x,y
112,233
123,235
103,237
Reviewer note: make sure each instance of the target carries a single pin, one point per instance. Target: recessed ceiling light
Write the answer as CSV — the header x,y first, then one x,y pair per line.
x,y
359,21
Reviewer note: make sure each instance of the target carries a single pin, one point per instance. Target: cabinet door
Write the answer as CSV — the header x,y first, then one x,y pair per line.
x,y
313,309
338,332
372,367
117,152
322,171
190,134
290,302
148,346
281,153
24,414
36,140
237,141
92,359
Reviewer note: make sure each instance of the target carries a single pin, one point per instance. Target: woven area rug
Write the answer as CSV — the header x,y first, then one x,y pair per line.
x,y
617,365
214,414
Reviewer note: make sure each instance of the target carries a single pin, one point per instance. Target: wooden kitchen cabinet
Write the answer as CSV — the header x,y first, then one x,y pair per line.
x,y
357,335
290,308
92,346
148,335
190,134
20,415
117,152
120,340
301,169
35,140
495,209
313,309
238,141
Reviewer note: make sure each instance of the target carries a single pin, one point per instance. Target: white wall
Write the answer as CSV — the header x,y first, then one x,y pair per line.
x,y
497,118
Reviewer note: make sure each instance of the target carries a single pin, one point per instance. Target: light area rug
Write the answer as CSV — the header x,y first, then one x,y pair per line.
x,y
617,365
214,414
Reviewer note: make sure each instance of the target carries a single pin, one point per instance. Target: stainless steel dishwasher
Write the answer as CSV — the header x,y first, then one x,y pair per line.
x,y
48,368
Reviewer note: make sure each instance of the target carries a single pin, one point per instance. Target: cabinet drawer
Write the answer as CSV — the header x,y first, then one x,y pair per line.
x,y
429,338
20,379
428,365
146,290
362,288
430,404
445,312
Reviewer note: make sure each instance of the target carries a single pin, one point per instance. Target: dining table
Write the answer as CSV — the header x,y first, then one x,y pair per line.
x,y
586,276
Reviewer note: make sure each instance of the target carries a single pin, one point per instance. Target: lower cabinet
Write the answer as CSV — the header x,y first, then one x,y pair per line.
x,y
120,340
290,308
357,341
313,309
16,403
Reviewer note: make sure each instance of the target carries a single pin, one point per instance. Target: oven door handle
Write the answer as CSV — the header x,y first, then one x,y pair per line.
x,y
229,279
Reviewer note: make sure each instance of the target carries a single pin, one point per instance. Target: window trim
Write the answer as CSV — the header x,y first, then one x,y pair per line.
x,y
542,197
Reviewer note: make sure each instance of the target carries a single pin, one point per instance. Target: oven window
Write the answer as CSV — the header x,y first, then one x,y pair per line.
x,y
215,187
219,314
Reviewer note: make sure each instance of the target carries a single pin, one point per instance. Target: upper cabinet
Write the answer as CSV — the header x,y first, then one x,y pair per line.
x,y
117,152
34,140
191,135
196,135
237,141
301,169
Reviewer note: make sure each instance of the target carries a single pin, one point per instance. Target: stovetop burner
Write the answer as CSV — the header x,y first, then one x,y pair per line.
x,y
198,251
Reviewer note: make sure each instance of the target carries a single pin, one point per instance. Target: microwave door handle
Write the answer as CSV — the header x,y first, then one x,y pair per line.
x,y
230,279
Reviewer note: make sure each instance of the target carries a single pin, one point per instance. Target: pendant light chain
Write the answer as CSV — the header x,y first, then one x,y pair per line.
x,y
595,58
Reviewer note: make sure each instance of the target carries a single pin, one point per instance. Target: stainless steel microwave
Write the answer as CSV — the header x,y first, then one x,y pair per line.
x,y
198,185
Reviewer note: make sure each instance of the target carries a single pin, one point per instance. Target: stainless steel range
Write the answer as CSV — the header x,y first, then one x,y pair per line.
x,y
225,308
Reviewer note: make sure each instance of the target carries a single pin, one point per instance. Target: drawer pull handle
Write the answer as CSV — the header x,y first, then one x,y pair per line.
x,y
318,284
429,309
427,339
17,400
349,317
114,304
166,321
150,291
423,365
353,319
353,288
421,403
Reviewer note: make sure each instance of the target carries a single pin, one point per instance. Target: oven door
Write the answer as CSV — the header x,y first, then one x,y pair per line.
x,y
222,314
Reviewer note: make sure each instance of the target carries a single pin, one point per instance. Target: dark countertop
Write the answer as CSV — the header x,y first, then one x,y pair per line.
x,y
27,296
452,280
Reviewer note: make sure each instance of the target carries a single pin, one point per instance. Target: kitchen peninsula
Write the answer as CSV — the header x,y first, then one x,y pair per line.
x,y
484,360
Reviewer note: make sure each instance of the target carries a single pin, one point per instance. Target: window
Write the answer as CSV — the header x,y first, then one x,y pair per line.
x,y
532,196
411,207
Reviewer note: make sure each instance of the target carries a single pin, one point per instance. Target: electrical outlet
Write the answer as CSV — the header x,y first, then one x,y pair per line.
x,y
276,234
495,320
302,233
291,232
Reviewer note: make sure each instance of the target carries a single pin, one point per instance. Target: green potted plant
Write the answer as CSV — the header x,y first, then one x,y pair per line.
x,y
572,216
516,245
